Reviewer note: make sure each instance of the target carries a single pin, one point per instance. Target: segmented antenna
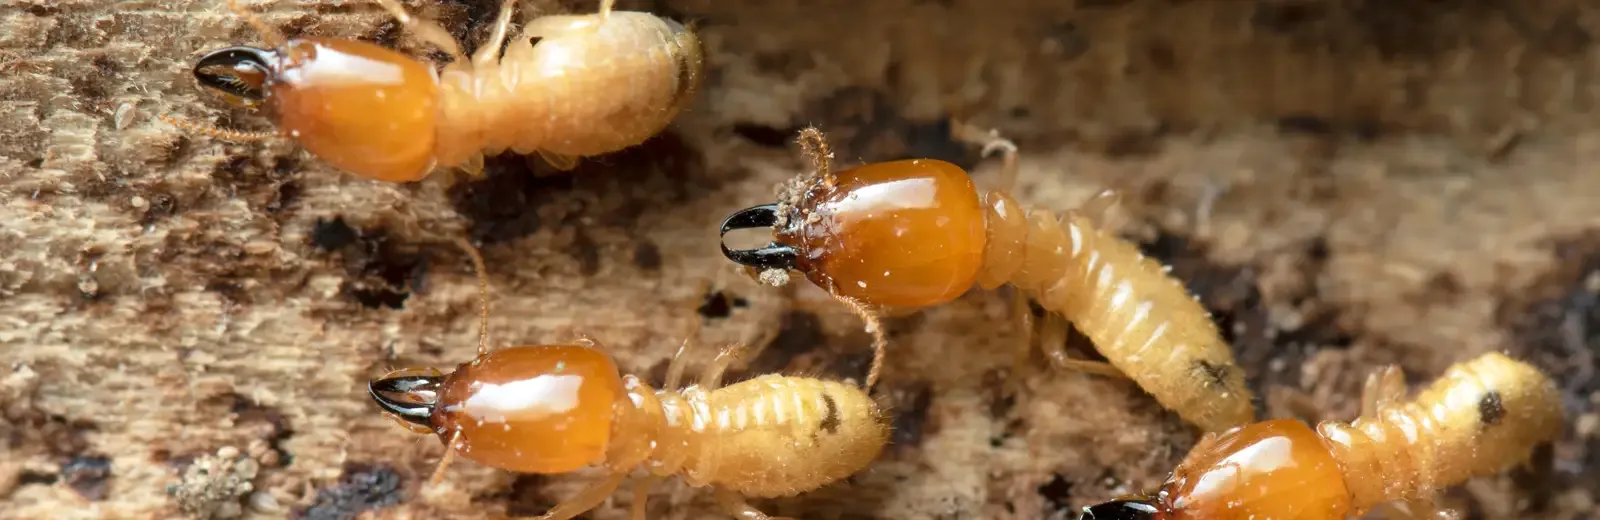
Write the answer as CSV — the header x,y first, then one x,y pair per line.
x,y
270,36
226,134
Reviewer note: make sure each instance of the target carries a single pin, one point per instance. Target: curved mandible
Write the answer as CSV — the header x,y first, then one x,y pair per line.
x,y
774,255
236,61
412,412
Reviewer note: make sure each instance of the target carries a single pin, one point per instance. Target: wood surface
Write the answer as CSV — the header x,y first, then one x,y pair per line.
x,y
187,326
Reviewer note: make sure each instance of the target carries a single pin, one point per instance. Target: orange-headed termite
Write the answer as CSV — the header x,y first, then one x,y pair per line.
x,y
592,84
1482,417
915,233
552,409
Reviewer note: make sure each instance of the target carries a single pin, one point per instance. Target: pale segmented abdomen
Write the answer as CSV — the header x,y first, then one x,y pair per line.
x,y
585,88
775,436
1144,321
1481,417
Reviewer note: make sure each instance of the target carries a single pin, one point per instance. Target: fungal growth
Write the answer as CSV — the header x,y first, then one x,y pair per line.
x,y
915,233
552,409
1397,451
592,84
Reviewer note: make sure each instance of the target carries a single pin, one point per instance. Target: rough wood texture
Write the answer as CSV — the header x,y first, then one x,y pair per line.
x,y
1346,183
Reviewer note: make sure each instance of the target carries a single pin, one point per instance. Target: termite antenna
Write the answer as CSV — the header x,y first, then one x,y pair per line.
x,y
427,31
880,340
483,294
226,134
270,36
815,147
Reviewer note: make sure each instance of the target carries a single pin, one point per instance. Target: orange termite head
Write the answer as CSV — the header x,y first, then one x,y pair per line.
x,y
908,233
1127,508
363,108
538,409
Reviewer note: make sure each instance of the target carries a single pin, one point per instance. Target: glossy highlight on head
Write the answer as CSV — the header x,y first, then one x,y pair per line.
x,y
360,107
898,234
537,409
557,408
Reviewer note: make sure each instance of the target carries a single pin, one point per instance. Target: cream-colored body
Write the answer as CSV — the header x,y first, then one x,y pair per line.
x,y
771,436
1144,321
1479,418
776,436
592,84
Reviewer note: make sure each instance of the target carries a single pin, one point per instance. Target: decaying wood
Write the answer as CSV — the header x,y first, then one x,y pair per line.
x,y
1346,183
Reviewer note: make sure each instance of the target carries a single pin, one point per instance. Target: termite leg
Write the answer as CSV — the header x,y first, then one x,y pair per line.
x,y
270,36
490,50
1427,509
991,142
1393,511
559,161
1097,209
473,166
735,505
641,493
605,9
1382,389
1418,509
711,379
1023,315
427,31
676,366
1053,339
585,500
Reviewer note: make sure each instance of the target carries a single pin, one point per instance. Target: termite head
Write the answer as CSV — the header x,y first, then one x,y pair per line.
x,y
537,409
363,108
1126,508
906,233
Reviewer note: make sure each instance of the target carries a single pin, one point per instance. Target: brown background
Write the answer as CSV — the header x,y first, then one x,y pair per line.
x,y
1345,183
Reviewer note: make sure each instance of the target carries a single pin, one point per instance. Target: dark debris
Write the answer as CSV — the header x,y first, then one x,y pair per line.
x,y
382,272
1058,492
362,488
646,255
911,419
258,422
88,475
800,332
1555,325
719,304
526,496
1270,355
520,195
864,126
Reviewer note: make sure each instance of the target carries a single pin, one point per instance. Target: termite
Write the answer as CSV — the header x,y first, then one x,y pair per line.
x,y
550,409
592,84
915,233
1481,417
